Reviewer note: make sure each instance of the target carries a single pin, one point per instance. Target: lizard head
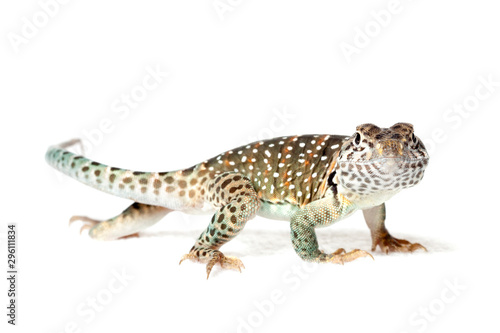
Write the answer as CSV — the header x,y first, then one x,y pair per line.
x,y
377,162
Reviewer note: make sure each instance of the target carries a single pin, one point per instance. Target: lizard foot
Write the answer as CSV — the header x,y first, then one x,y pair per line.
x,y
387,244
214,258
89,223
341,256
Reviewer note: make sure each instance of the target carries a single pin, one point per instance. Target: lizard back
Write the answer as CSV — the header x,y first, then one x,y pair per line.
x,y
291,169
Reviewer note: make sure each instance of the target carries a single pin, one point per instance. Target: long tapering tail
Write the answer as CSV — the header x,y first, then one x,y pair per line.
x,y
153,188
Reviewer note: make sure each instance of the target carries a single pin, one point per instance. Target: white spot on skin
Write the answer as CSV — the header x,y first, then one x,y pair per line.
x,y
255,150
334,146
244,159
302,144
281,142
288,156
231,163
314,175
291,187
289,148
250,167
299,193
323,158
271,145
211,168
318,147
276,175
299,174
313,141
266,180
268,154
281,165
263,187
240,152
309,151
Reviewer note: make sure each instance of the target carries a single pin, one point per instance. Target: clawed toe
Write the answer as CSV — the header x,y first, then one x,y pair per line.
x,y
341,256
390,244
216,257
88,222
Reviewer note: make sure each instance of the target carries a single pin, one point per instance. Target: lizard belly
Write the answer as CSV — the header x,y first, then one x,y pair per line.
x,y
277,211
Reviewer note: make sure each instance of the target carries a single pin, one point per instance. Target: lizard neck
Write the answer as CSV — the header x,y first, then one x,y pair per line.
x,y
364,201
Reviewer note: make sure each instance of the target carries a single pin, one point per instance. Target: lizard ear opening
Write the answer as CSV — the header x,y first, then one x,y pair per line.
x,y
331,183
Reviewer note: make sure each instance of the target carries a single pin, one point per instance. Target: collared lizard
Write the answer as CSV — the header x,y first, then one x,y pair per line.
x,y
310,180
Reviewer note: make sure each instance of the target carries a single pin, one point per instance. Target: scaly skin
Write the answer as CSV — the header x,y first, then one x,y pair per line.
x,y
309,180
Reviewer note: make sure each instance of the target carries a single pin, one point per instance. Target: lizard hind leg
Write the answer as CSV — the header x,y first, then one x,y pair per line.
x,y
129,223
238,202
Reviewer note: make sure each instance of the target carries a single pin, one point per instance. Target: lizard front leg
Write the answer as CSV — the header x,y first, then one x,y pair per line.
x,y
375,219
316,214
237,200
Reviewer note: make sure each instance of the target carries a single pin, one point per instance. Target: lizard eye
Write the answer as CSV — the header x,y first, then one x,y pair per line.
x,y
357,139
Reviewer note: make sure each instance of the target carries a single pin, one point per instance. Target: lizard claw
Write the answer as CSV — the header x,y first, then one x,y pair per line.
x,y
88,222
387,244
216,257
341,256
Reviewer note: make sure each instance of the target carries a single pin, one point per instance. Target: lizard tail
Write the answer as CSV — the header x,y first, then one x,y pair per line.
x,y
167,189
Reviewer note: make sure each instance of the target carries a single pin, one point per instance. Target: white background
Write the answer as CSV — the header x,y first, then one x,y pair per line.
x,y
260,68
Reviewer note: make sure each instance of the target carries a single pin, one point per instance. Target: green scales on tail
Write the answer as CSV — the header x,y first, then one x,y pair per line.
x,y
310,180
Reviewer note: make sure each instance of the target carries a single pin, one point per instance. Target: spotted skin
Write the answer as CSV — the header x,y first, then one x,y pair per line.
x,y
310,180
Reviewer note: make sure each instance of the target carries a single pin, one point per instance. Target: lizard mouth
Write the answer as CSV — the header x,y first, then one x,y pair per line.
x,y
391,166
391,159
